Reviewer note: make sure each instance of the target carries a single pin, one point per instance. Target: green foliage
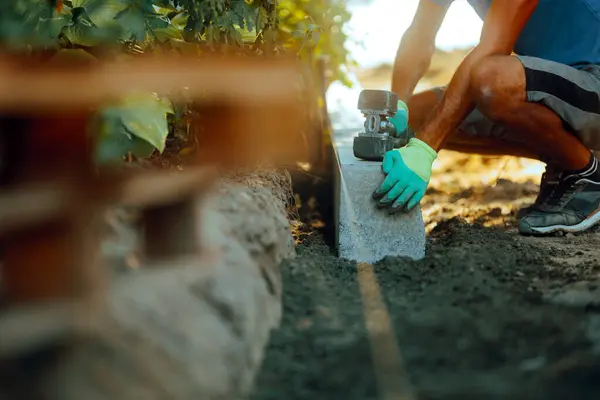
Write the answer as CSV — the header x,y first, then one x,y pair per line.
x,y
137,124
309,29
29,23
314,29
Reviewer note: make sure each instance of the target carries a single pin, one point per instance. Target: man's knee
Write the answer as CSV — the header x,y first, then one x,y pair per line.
x,y
497,85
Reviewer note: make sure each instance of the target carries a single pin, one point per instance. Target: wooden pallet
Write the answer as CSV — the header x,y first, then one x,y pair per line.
x,y
52,197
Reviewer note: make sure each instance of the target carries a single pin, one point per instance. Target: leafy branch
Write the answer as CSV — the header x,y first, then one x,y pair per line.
x,y
140,125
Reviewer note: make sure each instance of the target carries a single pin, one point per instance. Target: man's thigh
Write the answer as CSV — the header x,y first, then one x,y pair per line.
x,y
573,94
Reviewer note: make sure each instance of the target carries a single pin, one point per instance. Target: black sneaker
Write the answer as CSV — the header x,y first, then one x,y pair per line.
x,y
571,206
550,179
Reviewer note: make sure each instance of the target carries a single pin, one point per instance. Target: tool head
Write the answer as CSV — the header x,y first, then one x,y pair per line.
x,y
380,135
378,106
384,101
371,148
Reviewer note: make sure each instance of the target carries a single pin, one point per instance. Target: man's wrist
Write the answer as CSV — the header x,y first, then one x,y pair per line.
x,y
431,137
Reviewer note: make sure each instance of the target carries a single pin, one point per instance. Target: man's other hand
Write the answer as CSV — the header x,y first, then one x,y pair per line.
x,y
408,171
400,119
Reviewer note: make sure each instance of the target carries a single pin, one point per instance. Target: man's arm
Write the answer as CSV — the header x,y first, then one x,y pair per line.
x,y
504,22
416,48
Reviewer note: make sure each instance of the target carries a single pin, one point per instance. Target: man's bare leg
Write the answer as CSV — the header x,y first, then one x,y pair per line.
x,y
421,104
499,88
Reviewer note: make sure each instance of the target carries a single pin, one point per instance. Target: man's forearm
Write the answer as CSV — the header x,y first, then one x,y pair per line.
x,y
455,105
410,65
503,23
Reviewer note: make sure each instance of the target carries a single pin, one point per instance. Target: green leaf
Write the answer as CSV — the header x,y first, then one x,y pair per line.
x,y
145,116
261,19
164,8
236,37
213,34
101,12
180,20
30,23
85,35
137,124
52,27
170,32
164,4
133,25
238,13
115,143
248,36
157,21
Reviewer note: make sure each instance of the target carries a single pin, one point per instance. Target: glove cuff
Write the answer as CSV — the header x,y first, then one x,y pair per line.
x,y
400,119
402,106
414,142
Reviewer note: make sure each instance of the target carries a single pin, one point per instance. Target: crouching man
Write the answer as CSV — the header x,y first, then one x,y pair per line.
x,y
530,88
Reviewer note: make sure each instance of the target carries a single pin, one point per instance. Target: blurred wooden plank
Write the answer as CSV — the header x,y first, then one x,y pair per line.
x,y
159,188
33,204
42,88
23,328
253,109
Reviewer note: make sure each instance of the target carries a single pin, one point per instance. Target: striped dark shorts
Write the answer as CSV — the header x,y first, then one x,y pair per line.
x,y
573,94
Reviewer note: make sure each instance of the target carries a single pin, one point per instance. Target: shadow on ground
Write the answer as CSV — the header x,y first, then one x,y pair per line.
x,y
322,344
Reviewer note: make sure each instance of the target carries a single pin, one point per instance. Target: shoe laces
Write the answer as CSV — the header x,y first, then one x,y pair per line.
x,y
550,178
564,188
561,193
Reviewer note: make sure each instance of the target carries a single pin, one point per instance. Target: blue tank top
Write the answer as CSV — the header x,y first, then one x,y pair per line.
x,y
565,31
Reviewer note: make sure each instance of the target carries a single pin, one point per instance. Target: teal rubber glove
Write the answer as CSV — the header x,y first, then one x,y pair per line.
x,y
408,171
400,120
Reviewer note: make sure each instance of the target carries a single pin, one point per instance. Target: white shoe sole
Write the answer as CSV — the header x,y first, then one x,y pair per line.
x,y
584,225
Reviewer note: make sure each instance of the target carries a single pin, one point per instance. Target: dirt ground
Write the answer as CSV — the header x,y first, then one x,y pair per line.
x,y
486,315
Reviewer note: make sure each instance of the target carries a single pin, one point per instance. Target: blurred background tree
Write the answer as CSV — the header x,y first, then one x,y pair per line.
x,y
141,125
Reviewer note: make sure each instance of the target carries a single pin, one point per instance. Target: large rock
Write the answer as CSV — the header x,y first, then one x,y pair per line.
x,y
190,329
364,233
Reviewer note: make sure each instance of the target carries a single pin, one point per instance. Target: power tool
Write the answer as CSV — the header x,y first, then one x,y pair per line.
x,y
380,135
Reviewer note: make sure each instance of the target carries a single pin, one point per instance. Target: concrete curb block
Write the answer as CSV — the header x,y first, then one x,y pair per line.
x,y
364,233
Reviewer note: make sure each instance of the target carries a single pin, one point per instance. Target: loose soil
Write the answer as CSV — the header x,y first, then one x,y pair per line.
x,y
487,314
